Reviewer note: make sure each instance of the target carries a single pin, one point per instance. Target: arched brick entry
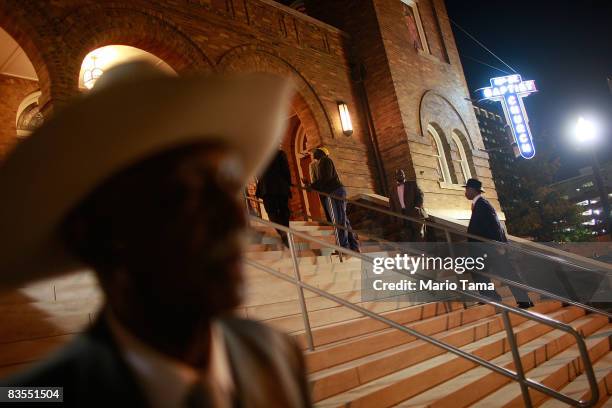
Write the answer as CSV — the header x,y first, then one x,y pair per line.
x,y
309,119
17,22
99,25
308,106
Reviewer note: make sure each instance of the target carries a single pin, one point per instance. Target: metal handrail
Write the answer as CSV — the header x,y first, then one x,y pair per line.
x,y
446,229
500,278
518,376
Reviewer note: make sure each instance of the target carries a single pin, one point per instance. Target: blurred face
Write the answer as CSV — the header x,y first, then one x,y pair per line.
x,y
317,154
198,265
400,176
172,227
470,193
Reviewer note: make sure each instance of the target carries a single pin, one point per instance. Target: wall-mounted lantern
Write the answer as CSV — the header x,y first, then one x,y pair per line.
x,y
91,75
345,119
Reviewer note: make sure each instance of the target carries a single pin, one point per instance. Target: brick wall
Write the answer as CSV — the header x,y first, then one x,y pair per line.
x,y
13,91
406,89
209,35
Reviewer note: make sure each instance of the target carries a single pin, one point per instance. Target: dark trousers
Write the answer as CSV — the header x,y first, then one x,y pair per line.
x,y
325,207
277,207
504,272
338,207
412,229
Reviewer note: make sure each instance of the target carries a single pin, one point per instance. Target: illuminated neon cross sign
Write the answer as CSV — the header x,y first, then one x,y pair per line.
x,y
510,91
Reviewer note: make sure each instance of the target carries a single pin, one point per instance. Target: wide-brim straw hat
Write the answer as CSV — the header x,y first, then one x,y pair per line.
x,y
134,112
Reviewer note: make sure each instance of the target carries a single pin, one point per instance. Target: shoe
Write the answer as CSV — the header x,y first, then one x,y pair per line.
x,y
524,305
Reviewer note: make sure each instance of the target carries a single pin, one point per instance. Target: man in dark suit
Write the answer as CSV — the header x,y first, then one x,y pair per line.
x,y
485,223
407,199
274,188
156,214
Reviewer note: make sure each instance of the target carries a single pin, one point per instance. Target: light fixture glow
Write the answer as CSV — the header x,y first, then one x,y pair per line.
x,y
585,130
345,119
92,73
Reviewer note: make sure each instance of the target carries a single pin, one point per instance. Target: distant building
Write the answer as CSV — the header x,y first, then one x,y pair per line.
x,y
500,146
582,191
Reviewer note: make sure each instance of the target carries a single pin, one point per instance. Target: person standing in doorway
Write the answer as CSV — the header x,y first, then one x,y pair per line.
x,y
407,199
274,188
314,176
326,180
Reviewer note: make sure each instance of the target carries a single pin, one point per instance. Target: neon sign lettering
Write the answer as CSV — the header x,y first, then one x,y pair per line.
x,y
510,91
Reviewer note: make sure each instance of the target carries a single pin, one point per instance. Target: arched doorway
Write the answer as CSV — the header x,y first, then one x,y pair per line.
x,y
20,91
297,146
101,59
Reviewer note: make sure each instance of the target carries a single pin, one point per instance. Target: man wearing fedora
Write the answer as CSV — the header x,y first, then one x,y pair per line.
x,y
130,181
485,223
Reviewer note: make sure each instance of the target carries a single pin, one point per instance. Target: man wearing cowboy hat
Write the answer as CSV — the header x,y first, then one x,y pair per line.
x,y
484,222
130,181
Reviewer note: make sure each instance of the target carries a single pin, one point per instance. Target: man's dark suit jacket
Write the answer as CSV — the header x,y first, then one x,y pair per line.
x,y
328,180
485,223
413,197
268,369
276,180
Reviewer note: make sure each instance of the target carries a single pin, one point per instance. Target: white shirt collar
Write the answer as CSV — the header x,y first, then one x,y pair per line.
x,y
478,197
166,380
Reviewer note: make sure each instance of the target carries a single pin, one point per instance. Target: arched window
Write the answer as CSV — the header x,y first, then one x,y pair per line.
x,y
460,160
28,115
101,59
439,153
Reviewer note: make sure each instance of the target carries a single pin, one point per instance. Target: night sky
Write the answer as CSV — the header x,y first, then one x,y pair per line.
x,y
565,46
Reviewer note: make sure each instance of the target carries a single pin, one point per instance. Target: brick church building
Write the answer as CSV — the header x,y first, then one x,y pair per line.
x,y
392,63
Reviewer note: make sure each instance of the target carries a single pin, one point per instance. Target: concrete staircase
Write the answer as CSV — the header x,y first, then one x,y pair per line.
x,y
358,361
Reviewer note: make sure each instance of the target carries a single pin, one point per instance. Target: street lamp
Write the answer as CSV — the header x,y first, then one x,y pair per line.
x,y
585,130
586,133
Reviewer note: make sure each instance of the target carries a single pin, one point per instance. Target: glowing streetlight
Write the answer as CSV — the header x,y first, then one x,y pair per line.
x,y
585,130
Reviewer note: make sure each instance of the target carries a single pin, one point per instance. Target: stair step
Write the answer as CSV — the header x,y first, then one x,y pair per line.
x,y
31,350
352,264
73,286
579,388
286,261
479,382
271,310
363,325
318,318
44,319
266,292
554,373
396,376
361,346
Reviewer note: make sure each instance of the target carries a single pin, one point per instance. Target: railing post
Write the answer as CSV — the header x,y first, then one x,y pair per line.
x,y
449,241
332,214
516,356
296,270
246,205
